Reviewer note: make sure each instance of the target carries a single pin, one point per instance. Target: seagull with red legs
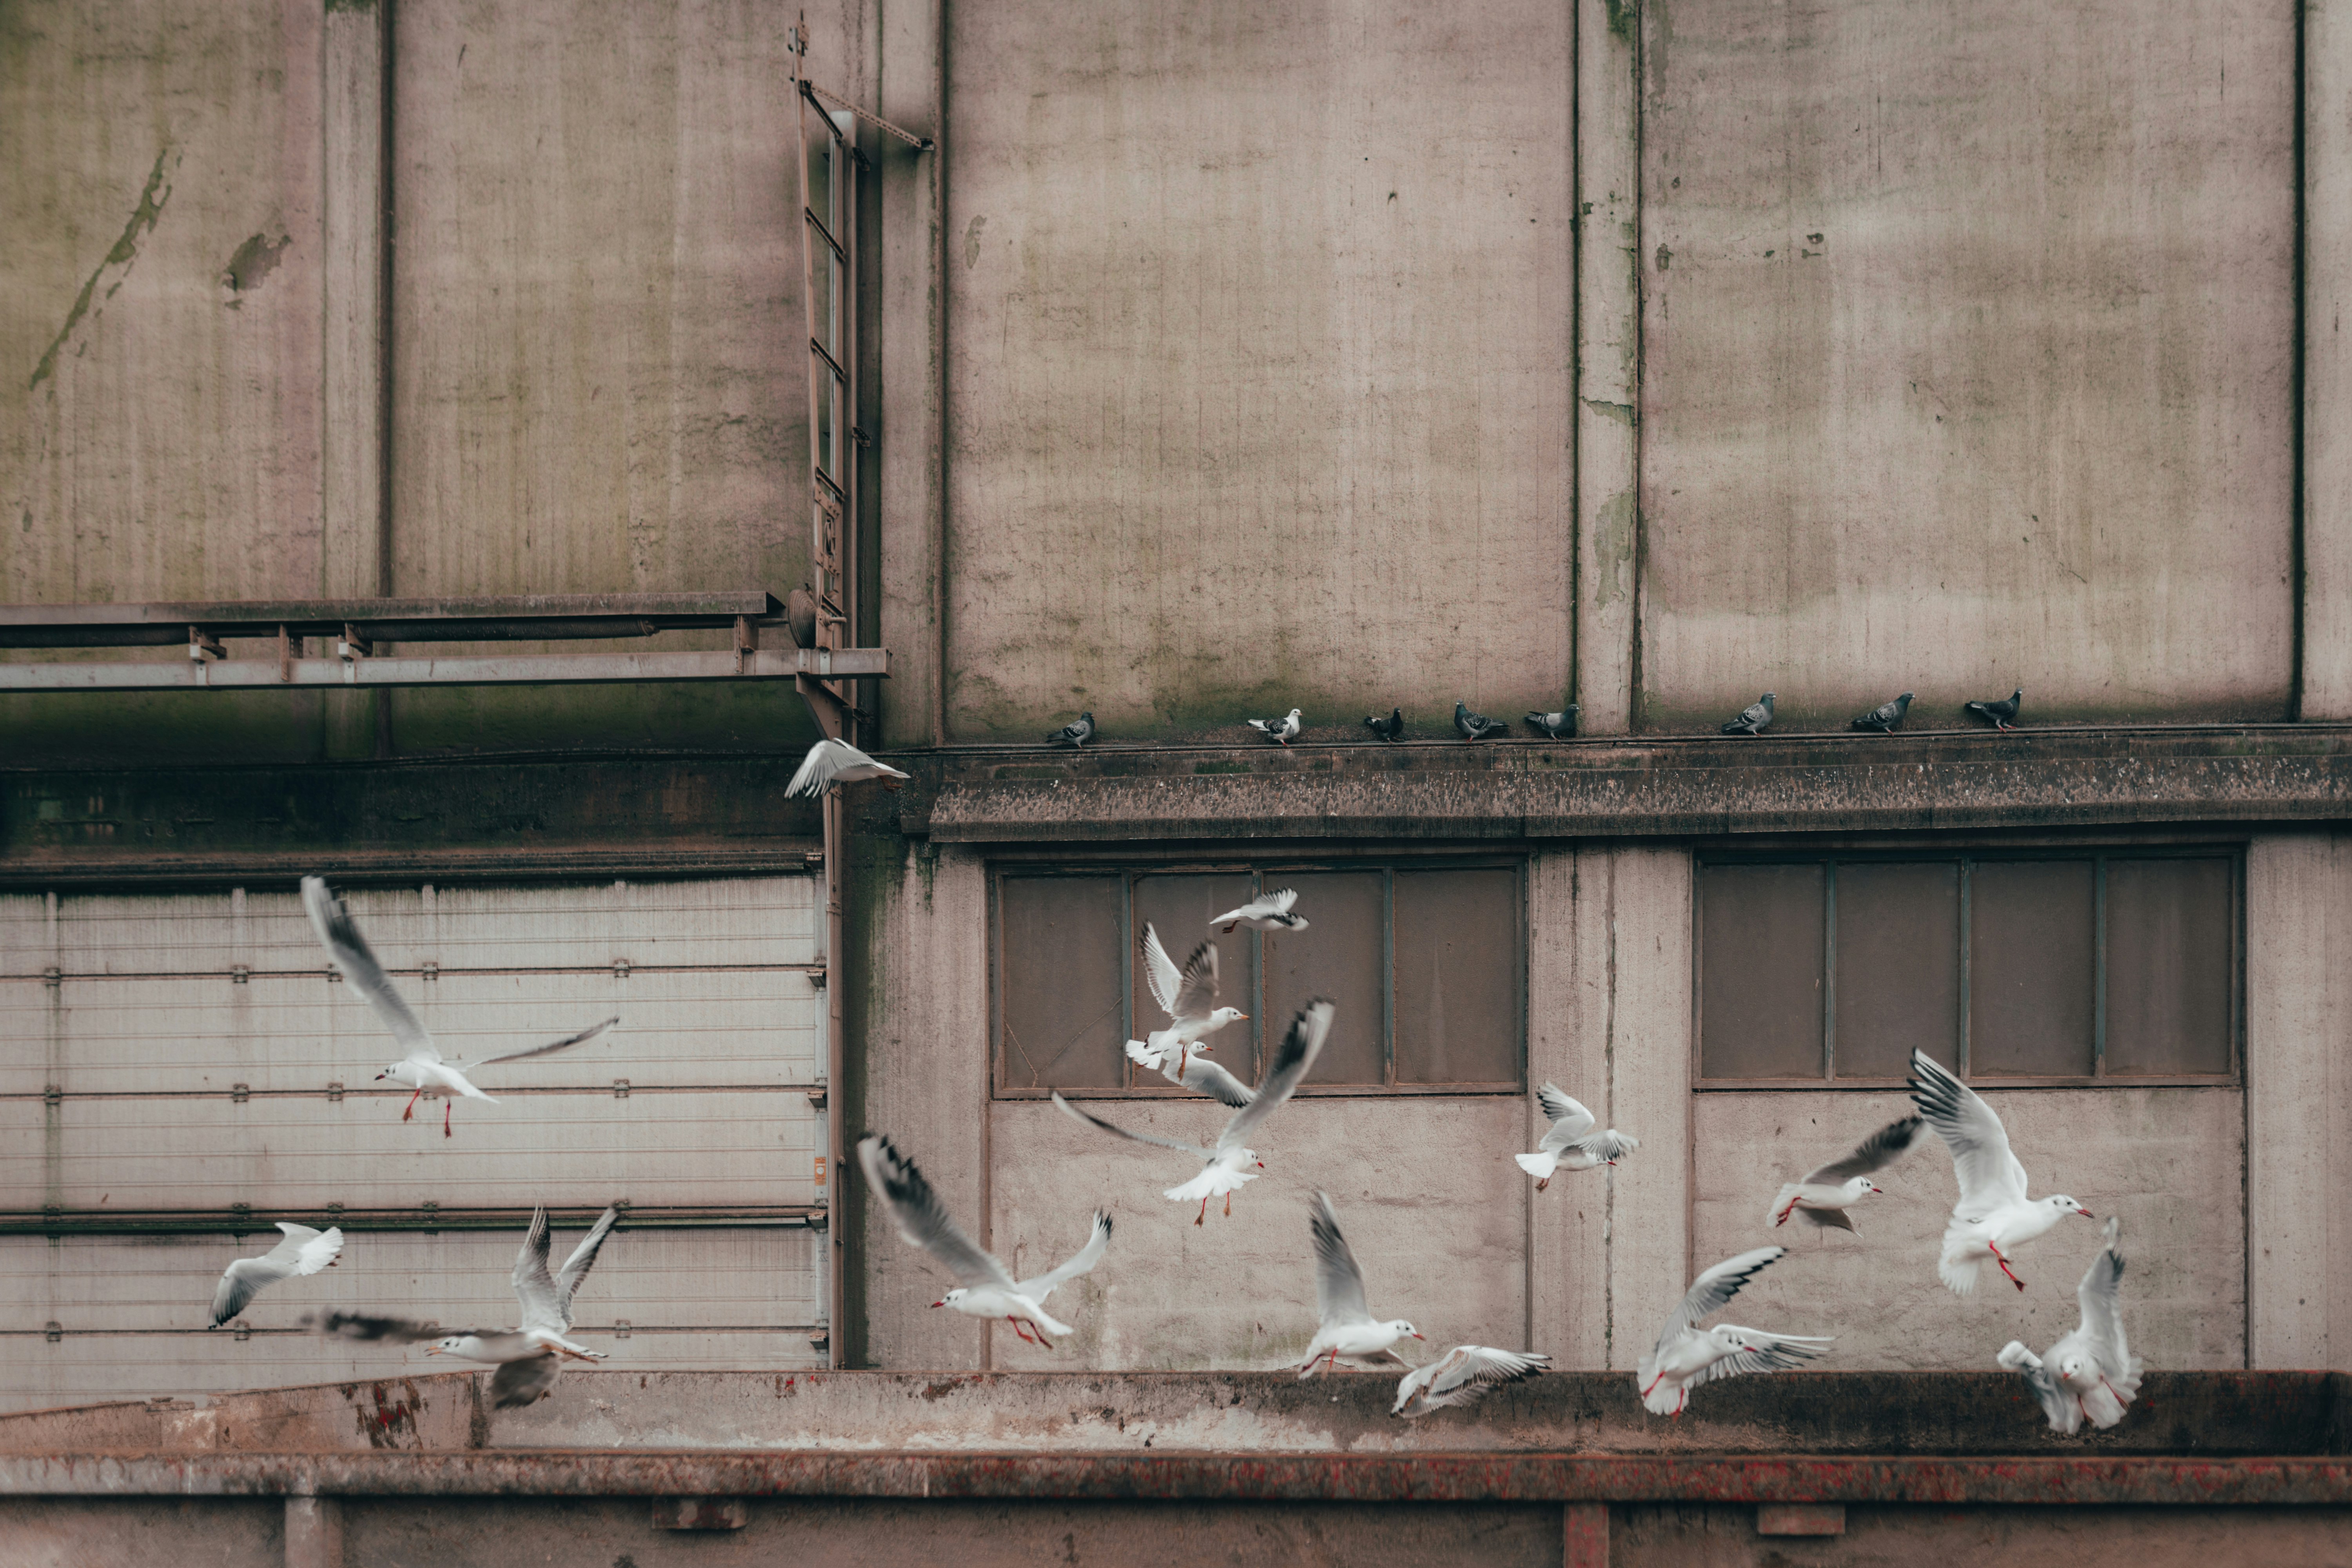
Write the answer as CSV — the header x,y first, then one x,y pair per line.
x,y
1687,1355
1344,1324
983,1288
1994,1218
2090,1375
422,1070
1823,1196
1233,1164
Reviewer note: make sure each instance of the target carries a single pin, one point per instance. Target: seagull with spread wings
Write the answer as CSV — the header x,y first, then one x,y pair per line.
x,y
1826,1192
983,1288
831,762
1994,1218
529,1356
1267,911
1571,1142
1461,1376
421,1069
1233,1163
301,1251
1189,998
1344,1324
1687,1355
2090,1375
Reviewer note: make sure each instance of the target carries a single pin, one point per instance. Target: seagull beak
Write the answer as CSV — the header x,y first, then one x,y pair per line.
x,y
2086,1214
1422,1337
382,1076
939,1304
1244,1015
432,1350
1261,1165
1880,1191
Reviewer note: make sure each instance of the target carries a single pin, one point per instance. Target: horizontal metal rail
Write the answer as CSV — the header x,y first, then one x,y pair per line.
x,y
514,669
260,1221
473,618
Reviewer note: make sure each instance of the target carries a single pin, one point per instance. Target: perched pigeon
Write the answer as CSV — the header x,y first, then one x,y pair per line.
x,y
830,763
1828,1191
2090,1373
1477,726
1077,732
1559,726
1887,717
1388,729
1752,717
1279,730
2002,714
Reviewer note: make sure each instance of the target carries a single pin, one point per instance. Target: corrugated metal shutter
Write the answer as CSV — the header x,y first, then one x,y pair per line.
x,y
175,1068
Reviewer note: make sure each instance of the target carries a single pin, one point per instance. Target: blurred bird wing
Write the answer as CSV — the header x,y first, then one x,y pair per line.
x,y
1292,1062
1339,1283
1159,971
1874,1153
1079,1262
331,918
1712,1290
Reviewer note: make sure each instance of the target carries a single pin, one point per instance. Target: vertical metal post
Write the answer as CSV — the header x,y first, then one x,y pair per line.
x,y
1829,969
836,1240
1960,1068
2098,966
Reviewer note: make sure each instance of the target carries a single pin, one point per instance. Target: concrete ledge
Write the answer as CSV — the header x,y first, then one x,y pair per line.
x,y
1681,786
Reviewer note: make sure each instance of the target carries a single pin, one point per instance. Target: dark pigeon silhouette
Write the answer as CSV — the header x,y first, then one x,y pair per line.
x,y
1887,716
1559,726
2002,714
1752,717
1477,726
1076,734
1388,729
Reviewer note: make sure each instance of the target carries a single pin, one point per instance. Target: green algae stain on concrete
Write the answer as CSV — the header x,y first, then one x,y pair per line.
x,y
1612,539
125,250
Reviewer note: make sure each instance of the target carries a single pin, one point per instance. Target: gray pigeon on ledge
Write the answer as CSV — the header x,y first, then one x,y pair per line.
x,y
1282,732
2002,714
1886,716
1476,726
1077,732
1752,717
1557,726
1388,729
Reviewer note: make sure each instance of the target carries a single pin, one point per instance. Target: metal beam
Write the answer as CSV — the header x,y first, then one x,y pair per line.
x,y
513,670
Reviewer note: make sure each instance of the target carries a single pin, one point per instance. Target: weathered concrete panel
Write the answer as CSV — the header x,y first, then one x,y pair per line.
x,y
2326,215
1259,334
2119,1150
46,1531
2298,1101
1699,1535
1969,352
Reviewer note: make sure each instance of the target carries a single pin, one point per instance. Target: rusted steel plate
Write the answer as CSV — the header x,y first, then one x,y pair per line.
x,y
1524,1477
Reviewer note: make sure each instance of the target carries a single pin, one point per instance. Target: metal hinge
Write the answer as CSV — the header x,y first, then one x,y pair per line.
x,y
620,1089
334,1094
816,1096
53,1330
620,969
620,1328
238,1093
52,1095
429,970
53,977
238,974
244,1331
242,1213
820,1339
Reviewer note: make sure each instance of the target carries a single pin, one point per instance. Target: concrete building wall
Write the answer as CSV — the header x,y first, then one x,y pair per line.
x,y
1968,344
1260,327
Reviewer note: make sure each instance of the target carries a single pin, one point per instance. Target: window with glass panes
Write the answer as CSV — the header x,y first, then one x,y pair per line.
x,y
1425,960
2077,966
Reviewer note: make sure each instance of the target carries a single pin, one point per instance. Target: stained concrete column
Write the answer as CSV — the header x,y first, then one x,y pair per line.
x,y
1607,358
2298,1101
314,1532
2327,690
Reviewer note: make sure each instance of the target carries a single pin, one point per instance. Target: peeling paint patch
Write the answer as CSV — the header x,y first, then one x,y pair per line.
x,y
1620,19
1612,547
255,260
1621,412
971,242
125,250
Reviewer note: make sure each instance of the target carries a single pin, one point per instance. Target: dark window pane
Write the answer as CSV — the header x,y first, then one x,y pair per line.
x,y
1760,963
1058,990
2030,967
1457,977
1898,965
2170,948
1180,908
1338,956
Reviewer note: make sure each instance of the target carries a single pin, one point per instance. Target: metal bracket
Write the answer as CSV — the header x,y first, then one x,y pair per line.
x,y
350,646
203,644
238,1093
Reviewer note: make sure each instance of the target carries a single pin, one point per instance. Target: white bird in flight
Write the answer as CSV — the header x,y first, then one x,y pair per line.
x,y
1460,1376
2090,1375
984,1288
529,1356
1269,911
1571,1140
830,763
1994,1218
1344,1324
1200,1074
421,1069
301,1251
1189,998
1825,1192
1687,1355
1233,1163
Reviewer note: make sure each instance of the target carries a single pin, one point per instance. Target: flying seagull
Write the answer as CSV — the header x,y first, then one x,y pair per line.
x,y
830,763
1268,912
2003,714
1687,1355
1556,726
1825,1192
1476,726
1189,998
1200,1074
1388,729
421,1069
1077,732
982,1288
1887,717
529,1356
1232,1164
1571,1142
1993,1217
1460,1376
301,1251
1344,1325
1752,717
1280,731
2090,1375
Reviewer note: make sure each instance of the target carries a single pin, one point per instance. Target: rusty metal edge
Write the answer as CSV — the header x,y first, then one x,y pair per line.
x,y
1521,1477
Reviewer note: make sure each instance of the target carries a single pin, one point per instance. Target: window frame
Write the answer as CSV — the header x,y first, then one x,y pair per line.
x,y
1268,871
1967,856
